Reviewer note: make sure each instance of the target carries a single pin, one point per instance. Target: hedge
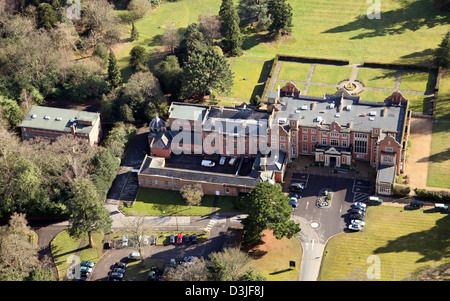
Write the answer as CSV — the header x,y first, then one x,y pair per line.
x,y
440,196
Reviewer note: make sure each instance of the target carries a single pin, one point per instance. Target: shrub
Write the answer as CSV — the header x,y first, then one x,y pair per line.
x,y
433,196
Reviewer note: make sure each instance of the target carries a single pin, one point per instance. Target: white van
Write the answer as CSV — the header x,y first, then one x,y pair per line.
x,y
134,256
208,163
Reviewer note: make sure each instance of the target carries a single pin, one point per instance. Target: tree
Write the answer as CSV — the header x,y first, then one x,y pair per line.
x,y
169,74
46,16
18,256
135,226
171,37
138,58
206,74
210,26
134,32
442,53
267,208
230,265
139,8
253,11
280,13
87,213
114,75
229,28
192,194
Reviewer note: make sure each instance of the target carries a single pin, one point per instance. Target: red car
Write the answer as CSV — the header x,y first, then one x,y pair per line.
x,y
180,239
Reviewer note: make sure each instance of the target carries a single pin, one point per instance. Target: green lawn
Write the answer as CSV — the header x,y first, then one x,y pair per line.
x,y
439,166
375,96
402,240
414,81
377,78
294,71
64,248
248,78
320,90
330,74
417,102
151,201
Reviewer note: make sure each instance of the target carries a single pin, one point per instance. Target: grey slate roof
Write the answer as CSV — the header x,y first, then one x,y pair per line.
x,y
386,174
199,176
310,110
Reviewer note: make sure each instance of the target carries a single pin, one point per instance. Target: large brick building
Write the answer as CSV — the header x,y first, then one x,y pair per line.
x,y
50,123
335,129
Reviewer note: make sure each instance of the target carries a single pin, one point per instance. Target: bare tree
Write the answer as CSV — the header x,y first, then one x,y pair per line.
x,y
136,227
195,270
18,254
171,38
210,25
192,194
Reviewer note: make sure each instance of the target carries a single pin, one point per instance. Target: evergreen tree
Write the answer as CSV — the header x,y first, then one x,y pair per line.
x,y
442,53
230,31
206,73
134,33
138,59
46,16
280,13
268,208
114,76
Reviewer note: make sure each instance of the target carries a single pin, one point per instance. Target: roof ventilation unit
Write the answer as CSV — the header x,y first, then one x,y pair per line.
x,y
373,113
46,117
58,118
332,105
33,116
348,107
319,119
371,118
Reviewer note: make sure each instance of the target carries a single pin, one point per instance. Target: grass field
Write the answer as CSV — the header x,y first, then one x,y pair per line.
x,y
330,74
439,164
402,240
406,33
248,78
64,248
272,258
377,78
151,201
294,71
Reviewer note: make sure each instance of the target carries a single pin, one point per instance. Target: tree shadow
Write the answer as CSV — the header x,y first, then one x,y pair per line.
x,y
432,244
411,16
437,158
259,87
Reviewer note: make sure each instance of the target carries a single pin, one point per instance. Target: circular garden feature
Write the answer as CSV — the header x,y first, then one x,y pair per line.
x,y
324,198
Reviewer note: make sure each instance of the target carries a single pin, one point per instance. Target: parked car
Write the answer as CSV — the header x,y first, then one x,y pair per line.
x,y
153,240
85,269
293,202
296,187
358,222
355,227
134,256
120,264
194,238
119,270
359,207
416,204
179,238
440,207
88,264
125,240
357,211
233,161
222,160
374,200
186,238
208,163
116,275
356,216
172,239
295,195
360,204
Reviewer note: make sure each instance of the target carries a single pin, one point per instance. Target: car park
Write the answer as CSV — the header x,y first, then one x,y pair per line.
x,y
361,204
86,263
357,211
359,207
172,239
180,239
119,270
